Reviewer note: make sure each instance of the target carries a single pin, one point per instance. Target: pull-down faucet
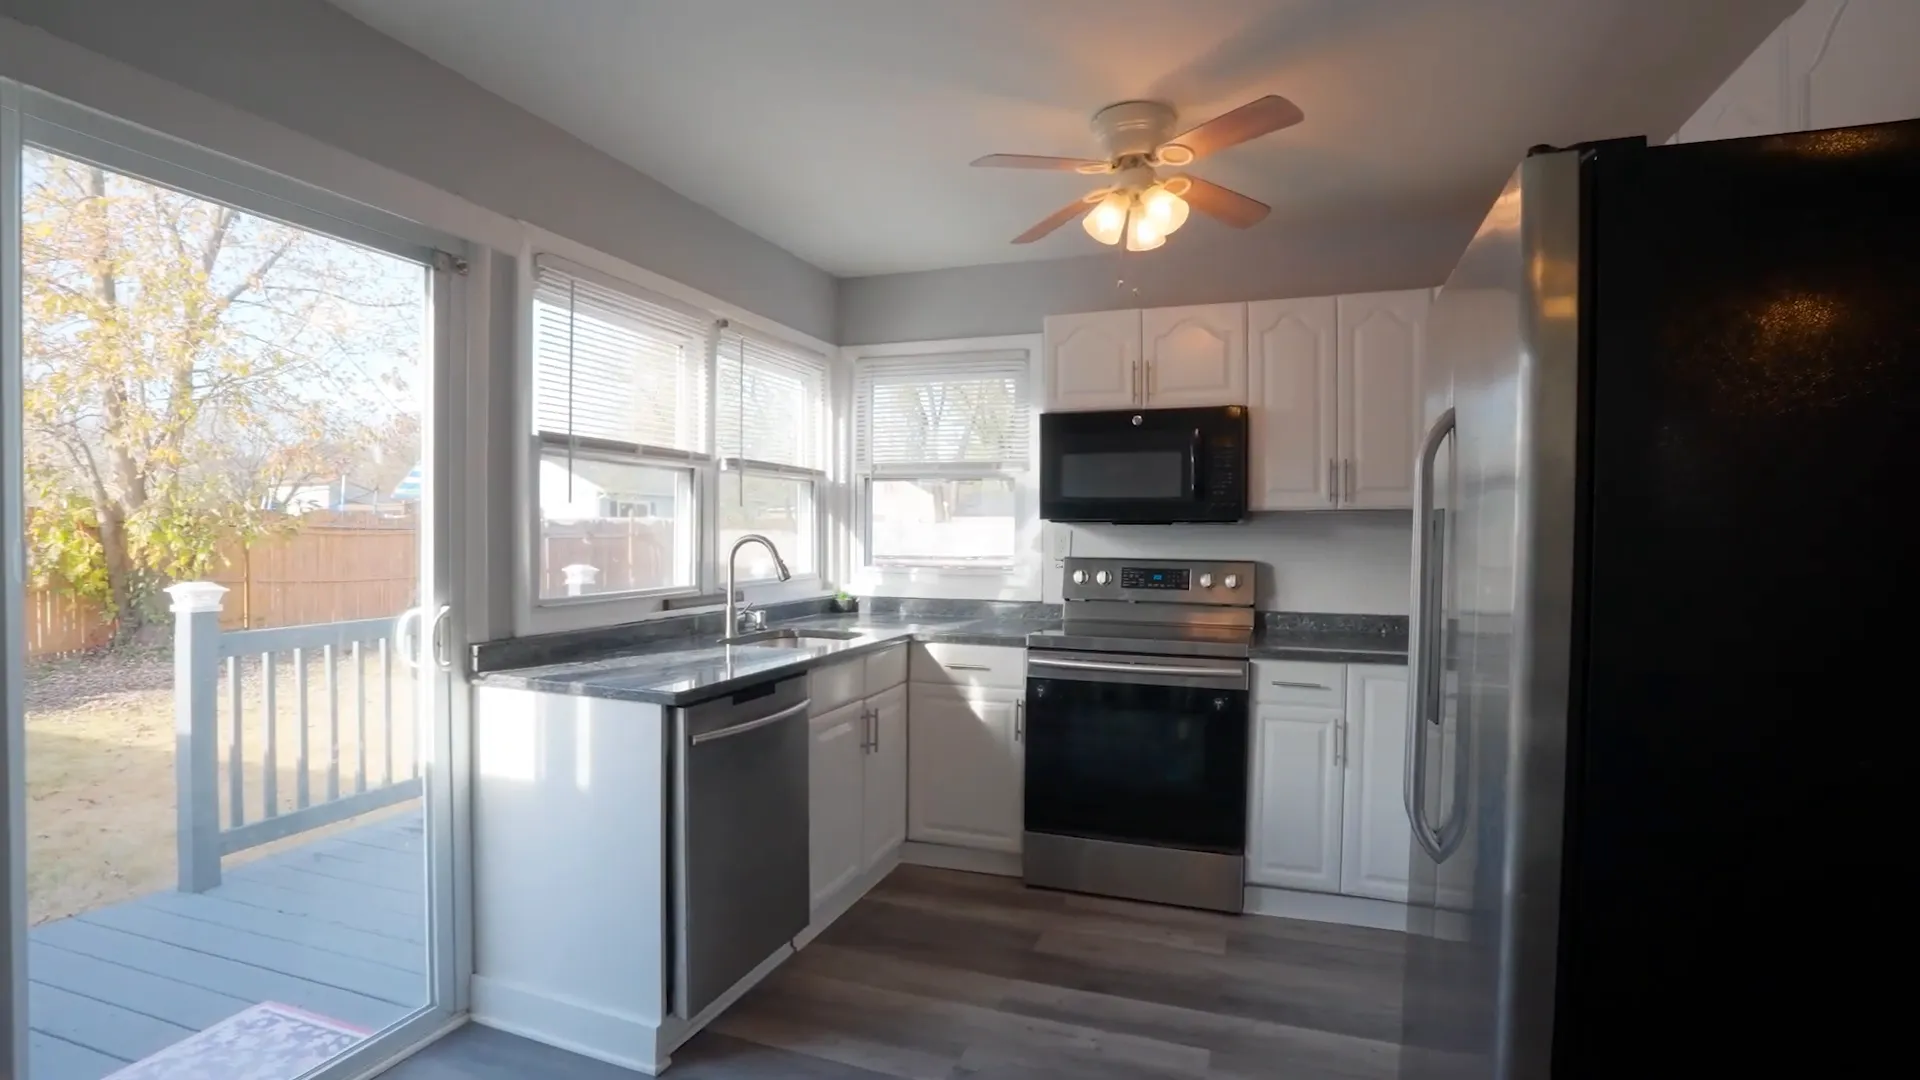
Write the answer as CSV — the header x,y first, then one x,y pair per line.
x,y
779,568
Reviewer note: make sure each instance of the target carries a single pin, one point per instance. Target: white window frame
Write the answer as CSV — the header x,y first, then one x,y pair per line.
x,y
1021,580
814,581
532,615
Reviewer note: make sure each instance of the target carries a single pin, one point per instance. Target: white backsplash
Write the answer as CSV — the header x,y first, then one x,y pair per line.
x,y
1354,562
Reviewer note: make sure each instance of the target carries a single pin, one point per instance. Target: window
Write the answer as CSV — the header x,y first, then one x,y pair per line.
x,y
937,444
620,413
769,414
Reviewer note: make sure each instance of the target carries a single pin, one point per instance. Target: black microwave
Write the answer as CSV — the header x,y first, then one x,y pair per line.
x,y
1144,466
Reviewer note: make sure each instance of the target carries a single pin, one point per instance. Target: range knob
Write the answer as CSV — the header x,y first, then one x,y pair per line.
x,y
1079,577
1102,577
1206,581
1232,582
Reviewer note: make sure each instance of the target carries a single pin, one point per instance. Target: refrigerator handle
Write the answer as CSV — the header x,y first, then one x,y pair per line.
x,y
1423,624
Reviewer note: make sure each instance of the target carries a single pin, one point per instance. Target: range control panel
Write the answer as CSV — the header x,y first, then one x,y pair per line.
x,y
1160,581
1143,577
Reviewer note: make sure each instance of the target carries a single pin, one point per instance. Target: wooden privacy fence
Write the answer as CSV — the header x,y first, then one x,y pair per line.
x,y
337,567
201,648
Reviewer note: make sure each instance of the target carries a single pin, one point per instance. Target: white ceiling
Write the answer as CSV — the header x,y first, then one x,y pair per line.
x,y
841,129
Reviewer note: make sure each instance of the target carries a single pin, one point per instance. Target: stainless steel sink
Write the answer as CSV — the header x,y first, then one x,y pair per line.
x,y
789,638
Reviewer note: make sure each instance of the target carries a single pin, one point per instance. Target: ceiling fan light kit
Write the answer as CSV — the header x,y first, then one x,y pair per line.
x,y
1139,207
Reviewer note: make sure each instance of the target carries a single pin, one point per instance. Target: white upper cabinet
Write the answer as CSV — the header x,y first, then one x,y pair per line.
x,y
1382,355
1295,840
1194,355
1377,841
1833,63
886,777
1093,360
1293,449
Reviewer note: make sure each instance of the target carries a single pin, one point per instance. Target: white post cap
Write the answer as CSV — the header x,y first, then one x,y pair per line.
x,y
192,597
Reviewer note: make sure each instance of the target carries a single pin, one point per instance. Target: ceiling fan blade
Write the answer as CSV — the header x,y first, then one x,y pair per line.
x,y
1250,121
1053,221
1034,161
1224,204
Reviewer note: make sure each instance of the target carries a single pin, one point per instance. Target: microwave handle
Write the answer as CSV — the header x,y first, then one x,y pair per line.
x,y
1193,465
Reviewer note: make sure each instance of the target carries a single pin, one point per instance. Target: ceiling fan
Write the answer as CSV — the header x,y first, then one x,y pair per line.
x,y
1140,206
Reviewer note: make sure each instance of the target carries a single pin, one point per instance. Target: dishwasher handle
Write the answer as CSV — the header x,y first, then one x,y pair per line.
x,y
742,729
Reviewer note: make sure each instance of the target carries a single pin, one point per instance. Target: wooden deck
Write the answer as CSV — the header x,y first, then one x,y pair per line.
x,y
336,927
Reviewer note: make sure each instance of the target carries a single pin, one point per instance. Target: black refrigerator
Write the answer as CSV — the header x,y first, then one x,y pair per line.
x,y
1667,575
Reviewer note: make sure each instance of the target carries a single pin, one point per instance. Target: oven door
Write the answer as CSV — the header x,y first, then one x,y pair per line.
x,y
1138,749
1144,466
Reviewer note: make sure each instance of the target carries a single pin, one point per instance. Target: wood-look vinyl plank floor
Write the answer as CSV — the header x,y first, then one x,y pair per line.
x,y
941,975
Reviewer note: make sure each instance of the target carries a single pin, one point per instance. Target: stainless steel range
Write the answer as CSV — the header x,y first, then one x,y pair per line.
x,y
1138,733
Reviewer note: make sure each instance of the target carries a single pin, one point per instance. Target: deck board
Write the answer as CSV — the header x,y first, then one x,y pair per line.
x,y
335,927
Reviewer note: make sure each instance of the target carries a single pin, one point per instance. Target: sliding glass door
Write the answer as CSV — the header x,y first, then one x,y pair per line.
x,y
228,645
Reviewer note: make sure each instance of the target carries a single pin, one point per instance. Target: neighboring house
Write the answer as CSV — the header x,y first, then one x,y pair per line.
x,y
592,490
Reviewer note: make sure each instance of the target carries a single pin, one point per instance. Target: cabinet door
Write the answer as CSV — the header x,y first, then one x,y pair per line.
x,y
1376,841
1295,842
835,768
964,765
1291,375
885,824
1093,360
1383,344
1194,355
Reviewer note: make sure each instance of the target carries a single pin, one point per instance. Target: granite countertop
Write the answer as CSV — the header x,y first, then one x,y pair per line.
x,y
693,668
682,671
1329,647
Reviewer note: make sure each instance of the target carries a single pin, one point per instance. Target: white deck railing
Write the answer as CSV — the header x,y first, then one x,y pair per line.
x,y
200,650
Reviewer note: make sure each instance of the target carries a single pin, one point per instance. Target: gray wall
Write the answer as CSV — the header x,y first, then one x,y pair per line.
x,y
1213,265
310,67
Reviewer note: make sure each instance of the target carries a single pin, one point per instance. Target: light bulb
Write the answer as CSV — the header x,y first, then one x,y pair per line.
x,y
1107,221
1144,235
1166,210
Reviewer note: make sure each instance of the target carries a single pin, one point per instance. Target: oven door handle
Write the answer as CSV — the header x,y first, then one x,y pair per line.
x,y
1134,669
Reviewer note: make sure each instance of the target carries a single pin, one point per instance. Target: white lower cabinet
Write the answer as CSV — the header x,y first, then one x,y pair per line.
x,y
1329,749
856,772
965,759
884,781
836,799
1295,840
1377,841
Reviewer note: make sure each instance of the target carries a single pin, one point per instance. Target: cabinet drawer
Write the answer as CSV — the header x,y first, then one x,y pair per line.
x,y
1299,682
941,664
886,668
833,685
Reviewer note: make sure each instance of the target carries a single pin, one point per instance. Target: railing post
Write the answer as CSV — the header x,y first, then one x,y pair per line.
x,y
196,751
579,577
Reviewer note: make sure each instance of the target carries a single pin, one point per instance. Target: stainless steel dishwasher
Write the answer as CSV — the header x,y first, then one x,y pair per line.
x,y
740,864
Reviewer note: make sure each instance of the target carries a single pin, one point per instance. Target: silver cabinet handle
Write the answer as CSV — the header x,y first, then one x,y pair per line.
x,y
1339,744
873,725
1019,720
1133,669
866,731
1147,390
1333,484
968,667
1423,623
742,729
1133,382
1300,685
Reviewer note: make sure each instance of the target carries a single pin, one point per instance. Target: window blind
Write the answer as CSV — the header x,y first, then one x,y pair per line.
x,y
770,401
617,363
954,412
